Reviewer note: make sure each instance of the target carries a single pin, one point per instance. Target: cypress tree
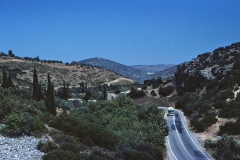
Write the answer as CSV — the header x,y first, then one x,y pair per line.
x,y
4,79
9,82
37,88
104,93
49,101
39,94
35,84
52,101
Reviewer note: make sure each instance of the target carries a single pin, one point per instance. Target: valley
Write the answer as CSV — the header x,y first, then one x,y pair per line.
x,y
89,95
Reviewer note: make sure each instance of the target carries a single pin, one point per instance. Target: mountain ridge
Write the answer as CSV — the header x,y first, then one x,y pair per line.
x,y
116,67
127,71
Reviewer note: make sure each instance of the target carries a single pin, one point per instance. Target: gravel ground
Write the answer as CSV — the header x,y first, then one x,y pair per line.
x,y
22,148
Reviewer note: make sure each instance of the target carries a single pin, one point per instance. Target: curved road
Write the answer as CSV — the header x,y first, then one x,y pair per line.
x,y
181,144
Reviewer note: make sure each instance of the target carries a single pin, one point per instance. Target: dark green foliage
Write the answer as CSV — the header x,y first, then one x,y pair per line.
x,y
230,110
88,95
10,53
49,101
182,100
60,154
198,125
104,93
153,93
6,81
63,94
166,91
9,82
135,94
155,85
153,82
37,88
144,87
230,128
208,121
236,66
117,91
212,84
84,130
21,123
46,147
224,148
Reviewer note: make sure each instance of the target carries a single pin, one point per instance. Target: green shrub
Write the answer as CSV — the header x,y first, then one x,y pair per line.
x,y
135,94
208,144
46,146
60,154
166,91
208,121
18,124
230,128
86,131
153,93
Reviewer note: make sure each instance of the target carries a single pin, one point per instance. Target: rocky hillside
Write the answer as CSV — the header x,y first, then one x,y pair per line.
x,y
151,69
22,72
208,87
121,69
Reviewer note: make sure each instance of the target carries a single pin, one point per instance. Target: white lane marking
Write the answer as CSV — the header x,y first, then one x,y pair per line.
x,y
170,148
192,139
180,138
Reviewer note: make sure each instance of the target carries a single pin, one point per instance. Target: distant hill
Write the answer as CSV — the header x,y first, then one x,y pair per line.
x,y
121,69
151,69
22,72
164,74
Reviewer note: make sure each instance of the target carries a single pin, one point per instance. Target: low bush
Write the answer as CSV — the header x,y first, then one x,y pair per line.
x,y
60,154
22,123
85,131
46,146
208,121
135,94
224,148
166,91
153,93
230,128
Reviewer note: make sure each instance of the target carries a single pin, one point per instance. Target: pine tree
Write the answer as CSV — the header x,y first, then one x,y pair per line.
x,y
65,91
49,101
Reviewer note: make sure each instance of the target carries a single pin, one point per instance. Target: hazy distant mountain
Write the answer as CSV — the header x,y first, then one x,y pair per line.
x,y
124,70
151,69
166,73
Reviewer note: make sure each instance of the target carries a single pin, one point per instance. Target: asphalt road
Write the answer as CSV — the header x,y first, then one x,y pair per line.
x,y
181,144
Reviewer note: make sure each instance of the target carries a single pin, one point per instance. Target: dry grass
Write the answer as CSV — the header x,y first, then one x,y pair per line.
x,y
59,72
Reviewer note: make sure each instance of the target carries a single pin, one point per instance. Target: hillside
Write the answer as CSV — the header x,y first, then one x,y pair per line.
x,y
151,69
121,69
164,74
22,72
208,89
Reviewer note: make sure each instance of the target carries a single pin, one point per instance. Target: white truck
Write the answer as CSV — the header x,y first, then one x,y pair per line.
x,y
170,111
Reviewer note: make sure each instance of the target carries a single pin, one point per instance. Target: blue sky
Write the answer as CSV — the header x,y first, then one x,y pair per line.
x,y
130,32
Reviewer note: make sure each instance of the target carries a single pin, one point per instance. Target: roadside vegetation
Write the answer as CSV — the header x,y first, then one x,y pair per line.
x,y
224,148
115,129
208,100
